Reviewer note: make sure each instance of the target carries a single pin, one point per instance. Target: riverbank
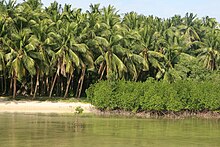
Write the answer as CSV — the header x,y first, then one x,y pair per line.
x,y
23,106
44,107
163,114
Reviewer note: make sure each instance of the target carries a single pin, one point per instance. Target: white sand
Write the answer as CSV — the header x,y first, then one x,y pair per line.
x,y
44,107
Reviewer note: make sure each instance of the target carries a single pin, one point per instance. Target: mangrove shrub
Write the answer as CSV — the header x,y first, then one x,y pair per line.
x,y
153,95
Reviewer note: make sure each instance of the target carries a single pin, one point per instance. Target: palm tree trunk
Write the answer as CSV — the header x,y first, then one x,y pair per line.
x,y
37,84
54,81
47,85
62,85
58,86
77,90
101,67
67,86
32,86
11,86
80,83
5,84
42,86
14,85
102,73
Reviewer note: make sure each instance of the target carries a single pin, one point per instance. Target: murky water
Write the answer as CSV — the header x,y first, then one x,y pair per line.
x,y
39,130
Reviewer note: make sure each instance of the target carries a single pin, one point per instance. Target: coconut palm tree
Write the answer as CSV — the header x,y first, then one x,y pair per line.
x,y
208,52
67,52
153,60
109,61
19,61
188,28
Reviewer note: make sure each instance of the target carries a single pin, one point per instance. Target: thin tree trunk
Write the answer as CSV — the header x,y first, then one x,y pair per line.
x,y
100,68
72,84
58,86
5,83
51,81
67,86
47,85
11,86
77,90
37,84
2,84
42,86
62,85
80,84
14,85
102,73
32,86
52,86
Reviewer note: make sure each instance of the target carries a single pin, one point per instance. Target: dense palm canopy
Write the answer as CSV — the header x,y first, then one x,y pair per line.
x,y
60,50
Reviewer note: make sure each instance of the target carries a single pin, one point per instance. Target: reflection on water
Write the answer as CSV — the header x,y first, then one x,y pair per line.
x,y
19,130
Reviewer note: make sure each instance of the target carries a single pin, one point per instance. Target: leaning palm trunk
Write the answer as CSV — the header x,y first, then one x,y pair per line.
x,y
80,83
67,86
54,81
37,84
102,73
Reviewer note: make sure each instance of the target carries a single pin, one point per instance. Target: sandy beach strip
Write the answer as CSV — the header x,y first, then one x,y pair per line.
x,y
44,107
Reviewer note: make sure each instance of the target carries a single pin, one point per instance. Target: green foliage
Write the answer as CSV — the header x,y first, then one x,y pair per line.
x,y
153,95
105,90
79,110
60,51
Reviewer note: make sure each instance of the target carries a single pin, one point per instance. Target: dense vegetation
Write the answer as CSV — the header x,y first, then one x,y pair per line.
x,y
60,51
190,95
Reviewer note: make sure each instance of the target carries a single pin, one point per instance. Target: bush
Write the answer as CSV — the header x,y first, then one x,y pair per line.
x,y
153,95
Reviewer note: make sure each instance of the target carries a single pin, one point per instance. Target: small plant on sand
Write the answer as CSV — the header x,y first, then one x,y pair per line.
x,y
79,110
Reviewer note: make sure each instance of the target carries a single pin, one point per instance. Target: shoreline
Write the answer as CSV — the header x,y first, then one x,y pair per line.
x,y
163,115
44,107
70,107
